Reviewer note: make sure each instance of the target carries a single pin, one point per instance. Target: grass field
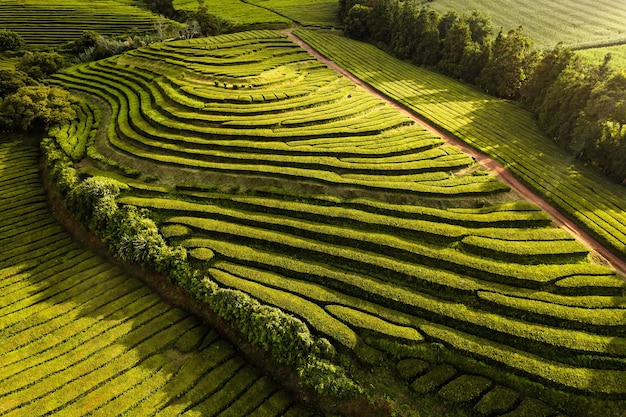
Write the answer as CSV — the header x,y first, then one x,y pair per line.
x,y
47,23
500,129
573,22
322,13
79,337
287,182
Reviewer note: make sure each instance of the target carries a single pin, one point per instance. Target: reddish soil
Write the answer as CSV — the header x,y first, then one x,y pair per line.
x,y
505,176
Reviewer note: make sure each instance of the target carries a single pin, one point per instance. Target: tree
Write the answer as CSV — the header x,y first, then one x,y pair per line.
x,y
10,40
427,49
509,64
11,81
355,23
382,20
162,7
405,37
457,41
37,108
545,73
209,24
39,65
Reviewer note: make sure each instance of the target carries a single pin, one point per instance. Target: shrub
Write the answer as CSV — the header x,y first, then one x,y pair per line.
x,y
10,40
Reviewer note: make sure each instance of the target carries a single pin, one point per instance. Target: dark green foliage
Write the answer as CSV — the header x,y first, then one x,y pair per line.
x,y
209,24
530,407
510,63
39,65
499,400
10,40
465,389
434,379
411,368
356,22
162,7
11,81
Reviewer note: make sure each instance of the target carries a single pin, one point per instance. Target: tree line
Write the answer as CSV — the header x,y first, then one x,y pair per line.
x,y
581,106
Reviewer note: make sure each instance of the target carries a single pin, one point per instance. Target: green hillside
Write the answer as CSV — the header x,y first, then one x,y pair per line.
x,y
285,181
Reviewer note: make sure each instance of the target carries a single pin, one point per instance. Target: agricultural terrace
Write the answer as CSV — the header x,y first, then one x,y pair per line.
x,y
574,22
50,22
79,337
287,182
498,128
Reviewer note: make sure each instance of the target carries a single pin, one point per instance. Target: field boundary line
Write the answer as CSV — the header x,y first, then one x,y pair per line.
x,y
498,169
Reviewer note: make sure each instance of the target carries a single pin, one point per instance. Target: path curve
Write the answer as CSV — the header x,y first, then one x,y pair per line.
x,y
505,176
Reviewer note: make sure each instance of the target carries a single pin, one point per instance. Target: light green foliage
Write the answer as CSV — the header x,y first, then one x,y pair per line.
x,y
595,56
37,108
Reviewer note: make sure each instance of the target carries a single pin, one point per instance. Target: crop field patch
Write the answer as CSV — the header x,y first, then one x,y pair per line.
x,y
79,337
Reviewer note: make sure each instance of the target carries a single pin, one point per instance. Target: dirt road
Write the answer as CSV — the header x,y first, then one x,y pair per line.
x,y
504,175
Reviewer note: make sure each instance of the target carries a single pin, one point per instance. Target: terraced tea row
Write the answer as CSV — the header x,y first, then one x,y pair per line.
x,y
80,337
500,129
35,22
256,104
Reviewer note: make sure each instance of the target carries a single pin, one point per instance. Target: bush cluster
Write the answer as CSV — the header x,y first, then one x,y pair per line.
x,y
132,236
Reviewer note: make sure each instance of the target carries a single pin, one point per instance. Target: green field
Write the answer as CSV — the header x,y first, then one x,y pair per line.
x,y
80,337
573,22
321,13
283,180
498,128
44,23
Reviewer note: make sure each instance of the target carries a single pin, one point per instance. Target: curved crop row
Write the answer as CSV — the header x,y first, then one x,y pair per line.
x,y
152,121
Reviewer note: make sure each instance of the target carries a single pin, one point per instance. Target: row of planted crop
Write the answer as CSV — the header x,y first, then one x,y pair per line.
x,y
500,129
514,300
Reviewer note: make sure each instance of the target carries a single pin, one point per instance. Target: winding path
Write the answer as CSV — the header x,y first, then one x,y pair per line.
x,y
505,176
